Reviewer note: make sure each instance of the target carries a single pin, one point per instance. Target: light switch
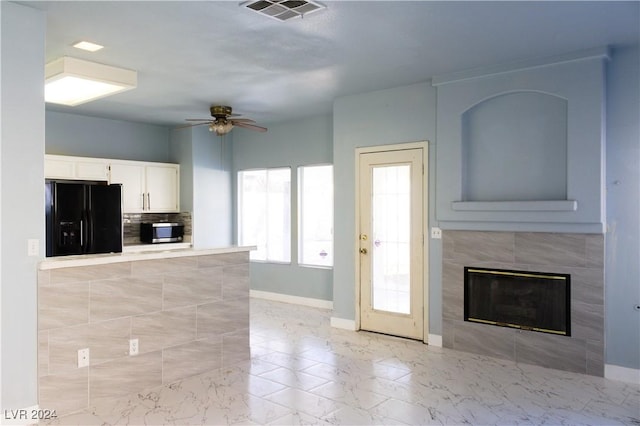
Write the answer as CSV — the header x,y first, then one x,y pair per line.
x,y
33,247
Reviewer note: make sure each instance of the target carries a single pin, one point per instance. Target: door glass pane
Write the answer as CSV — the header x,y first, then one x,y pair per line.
x,y
391,206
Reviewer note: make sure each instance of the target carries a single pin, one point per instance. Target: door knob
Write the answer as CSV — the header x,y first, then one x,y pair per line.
x,y
363,250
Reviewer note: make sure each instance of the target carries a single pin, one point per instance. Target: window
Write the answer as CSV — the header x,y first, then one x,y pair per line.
x,y
315,213
264,213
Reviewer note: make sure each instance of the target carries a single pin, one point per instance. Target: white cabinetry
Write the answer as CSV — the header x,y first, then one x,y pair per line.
x,y
76,168
147,187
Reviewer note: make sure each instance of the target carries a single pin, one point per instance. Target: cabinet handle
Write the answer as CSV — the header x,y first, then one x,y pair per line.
x,y
143,201
148,201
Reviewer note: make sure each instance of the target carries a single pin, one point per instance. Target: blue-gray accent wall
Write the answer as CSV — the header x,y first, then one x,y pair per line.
x,y
622,241
85,136
22,130
300,143
384,117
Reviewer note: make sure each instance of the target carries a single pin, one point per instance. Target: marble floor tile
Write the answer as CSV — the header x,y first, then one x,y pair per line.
x,y
303,372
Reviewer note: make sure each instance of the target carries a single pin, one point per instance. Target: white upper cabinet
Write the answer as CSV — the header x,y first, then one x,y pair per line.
x,y
147,187
76,168
162,188
131,176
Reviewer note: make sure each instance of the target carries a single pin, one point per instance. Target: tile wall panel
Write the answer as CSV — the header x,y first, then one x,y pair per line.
x,y
164,329
580,255
190,359
147,268
125,376
90,273
125,296
63,305
174,307
43,353
66,392
192,287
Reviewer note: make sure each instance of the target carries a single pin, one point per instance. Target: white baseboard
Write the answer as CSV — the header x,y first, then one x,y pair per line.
x,y
622,374
19,417
434,340
296,300
344,324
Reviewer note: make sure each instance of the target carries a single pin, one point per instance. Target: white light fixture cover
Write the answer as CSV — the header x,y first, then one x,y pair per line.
x,y
71,81
88,46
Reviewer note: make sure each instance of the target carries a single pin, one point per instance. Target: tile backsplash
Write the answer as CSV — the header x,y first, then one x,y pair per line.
x,y
132,221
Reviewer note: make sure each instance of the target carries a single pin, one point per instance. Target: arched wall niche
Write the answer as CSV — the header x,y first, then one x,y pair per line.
x,y
514,148
519,147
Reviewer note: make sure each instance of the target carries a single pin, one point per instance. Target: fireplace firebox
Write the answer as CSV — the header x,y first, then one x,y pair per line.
x,y
537,301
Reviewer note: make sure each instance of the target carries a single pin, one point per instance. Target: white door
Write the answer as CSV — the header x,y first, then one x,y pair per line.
x,y
391,242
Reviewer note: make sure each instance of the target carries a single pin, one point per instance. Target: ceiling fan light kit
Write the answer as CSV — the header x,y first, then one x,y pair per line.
x,y
71,81
283,10
221,127
223,121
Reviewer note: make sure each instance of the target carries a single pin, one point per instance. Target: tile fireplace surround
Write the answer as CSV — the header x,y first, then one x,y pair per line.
x,y
581,255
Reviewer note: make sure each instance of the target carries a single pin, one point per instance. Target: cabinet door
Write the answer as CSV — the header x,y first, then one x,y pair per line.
x,y
162,188
131,177
59,168
92,169
78,168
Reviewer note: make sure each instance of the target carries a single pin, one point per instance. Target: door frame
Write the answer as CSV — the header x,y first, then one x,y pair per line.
x,y
424,145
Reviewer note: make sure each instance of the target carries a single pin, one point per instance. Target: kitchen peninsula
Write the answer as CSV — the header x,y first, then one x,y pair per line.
x,y
146,318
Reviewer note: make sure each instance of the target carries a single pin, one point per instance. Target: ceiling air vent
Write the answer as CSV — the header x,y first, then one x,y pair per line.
x,y
283,10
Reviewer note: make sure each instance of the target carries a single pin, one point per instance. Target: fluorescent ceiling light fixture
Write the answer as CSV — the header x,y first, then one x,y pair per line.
x,y
88,46
70,81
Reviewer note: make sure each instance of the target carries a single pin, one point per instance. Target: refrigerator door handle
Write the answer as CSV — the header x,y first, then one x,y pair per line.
x,y
82,233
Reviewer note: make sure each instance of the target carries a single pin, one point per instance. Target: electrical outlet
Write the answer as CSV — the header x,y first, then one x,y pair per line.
x,y
33,247
133,347
83,357
436,233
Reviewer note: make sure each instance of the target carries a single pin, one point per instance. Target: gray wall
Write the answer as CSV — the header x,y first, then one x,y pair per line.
x,y
205,184
622,263
403,114
22,130
212,206
298,143
84,136
181,152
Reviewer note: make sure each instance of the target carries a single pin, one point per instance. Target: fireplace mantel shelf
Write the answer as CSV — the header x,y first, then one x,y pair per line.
x,y
516,206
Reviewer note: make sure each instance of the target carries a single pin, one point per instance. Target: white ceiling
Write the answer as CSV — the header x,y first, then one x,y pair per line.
x,y
192,54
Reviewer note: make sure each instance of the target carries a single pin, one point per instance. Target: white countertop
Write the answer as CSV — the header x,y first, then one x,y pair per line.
x,y
155,247
131,256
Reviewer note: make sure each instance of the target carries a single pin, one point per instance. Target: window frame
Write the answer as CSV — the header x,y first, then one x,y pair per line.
x,y
300,213
239,221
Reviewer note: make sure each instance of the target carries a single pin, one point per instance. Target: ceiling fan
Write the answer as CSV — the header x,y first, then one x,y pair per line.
x,y
224,120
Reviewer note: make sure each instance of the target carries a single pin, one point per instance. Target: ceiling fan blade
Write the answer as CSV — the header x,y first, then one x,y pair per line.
x,y
192,125
198,119
250,126
243,120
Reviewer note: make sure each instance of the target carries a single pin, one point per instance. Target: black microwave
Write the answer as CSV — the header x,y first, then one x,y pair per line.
x,y
161,232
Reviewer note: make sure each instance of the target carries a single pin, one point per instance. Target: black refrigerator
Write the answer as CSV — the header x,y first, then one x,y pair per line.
x,y
83,218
